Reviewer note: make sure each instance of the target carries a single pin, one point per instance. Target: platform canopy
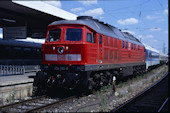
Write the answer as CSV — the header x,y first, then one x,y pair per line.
x,y
30,17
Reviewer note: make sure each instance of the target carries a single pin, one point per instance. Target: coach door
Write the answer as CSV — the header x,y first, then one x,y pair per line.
x,y
100,49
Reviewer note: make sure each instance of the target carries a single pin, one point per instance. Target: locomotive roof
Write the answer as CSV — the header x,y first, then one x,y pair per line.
x,y
130,37
20,43
101,28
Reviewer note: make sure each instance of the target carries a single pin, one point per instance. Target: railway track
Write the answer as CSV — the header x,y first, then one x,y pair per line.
x,y
153,99
34,105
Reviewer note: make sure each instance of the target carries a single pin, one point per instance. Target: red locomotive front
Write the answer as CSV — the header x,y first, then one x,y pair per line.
x,y
63,45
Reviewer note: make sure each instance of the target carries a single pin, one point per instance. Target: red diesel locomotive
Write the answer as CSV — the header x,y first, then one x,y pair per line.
x,y
86,54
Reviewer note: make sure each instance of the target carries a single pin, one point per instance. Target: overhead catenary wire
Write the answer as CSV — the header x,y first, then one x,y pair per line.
x,y
130,6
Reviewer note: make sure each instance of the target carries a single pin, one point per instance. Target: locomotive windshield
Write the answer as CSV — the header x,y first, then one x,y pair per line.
x,y
73,34
54,35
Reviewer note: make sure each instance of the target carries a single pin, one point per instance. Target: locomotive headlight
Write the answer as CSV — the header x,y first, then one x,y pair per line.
x,y
60,50
73,57
66,47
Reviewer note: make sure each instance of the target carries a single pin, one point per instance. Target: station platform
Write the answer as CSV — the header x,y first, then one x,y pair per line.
x,y
16,87
17,79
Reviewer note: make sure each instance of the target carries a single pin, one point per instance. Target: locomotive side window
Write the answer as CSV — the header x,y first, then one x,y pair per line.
x,y
126,44
100,40
134,46
73,34
123,44
93,37
54,35
90,38
131,46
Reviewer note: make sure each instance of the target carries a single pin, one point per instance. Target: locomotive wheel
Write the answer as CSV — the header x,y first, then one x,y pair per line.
x,y
90,84
89,87
39,84
97,80
37,90
108,78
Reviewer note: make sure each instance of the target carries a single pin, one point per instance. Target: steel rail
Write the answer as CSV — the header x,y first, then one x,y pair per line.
x,y
163,104
2,108
140,94
47,106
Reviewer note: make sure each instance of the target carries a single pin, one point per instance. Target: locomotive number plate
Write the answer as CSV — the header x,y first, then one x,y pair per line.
x,y
51,57
61,57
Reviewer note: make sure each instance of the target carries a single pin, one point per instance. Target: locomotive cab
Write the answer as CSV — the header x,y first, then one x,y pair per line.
x,y
70,45
63,45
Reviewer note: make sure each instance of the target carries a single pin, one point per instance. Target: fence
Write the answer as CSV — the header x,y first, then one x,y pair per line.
x,y
17,70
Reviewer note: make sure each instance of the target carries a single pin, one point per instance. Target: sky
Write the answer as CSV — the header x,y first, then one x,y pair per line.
x,y
145,19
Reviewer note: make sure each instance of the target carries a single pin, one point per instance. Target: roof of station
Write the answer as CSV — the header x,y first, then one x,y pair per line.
x,y
48,9
17,11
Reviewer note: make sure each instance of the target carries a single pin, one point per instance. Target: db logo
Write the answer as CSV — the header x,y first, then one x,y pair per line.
x,y
60,50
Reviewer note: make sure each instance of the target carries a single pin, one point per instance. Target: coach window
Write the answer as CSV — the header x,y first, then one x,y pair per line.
x,y
123,44
100,39
17,52
6,52
149,55
126,44
54,35
27,53
90,37
73,34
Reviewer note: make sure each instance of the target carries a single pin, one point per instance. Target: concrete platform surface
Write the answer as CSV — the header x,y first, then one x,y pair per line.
x,y
16,79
